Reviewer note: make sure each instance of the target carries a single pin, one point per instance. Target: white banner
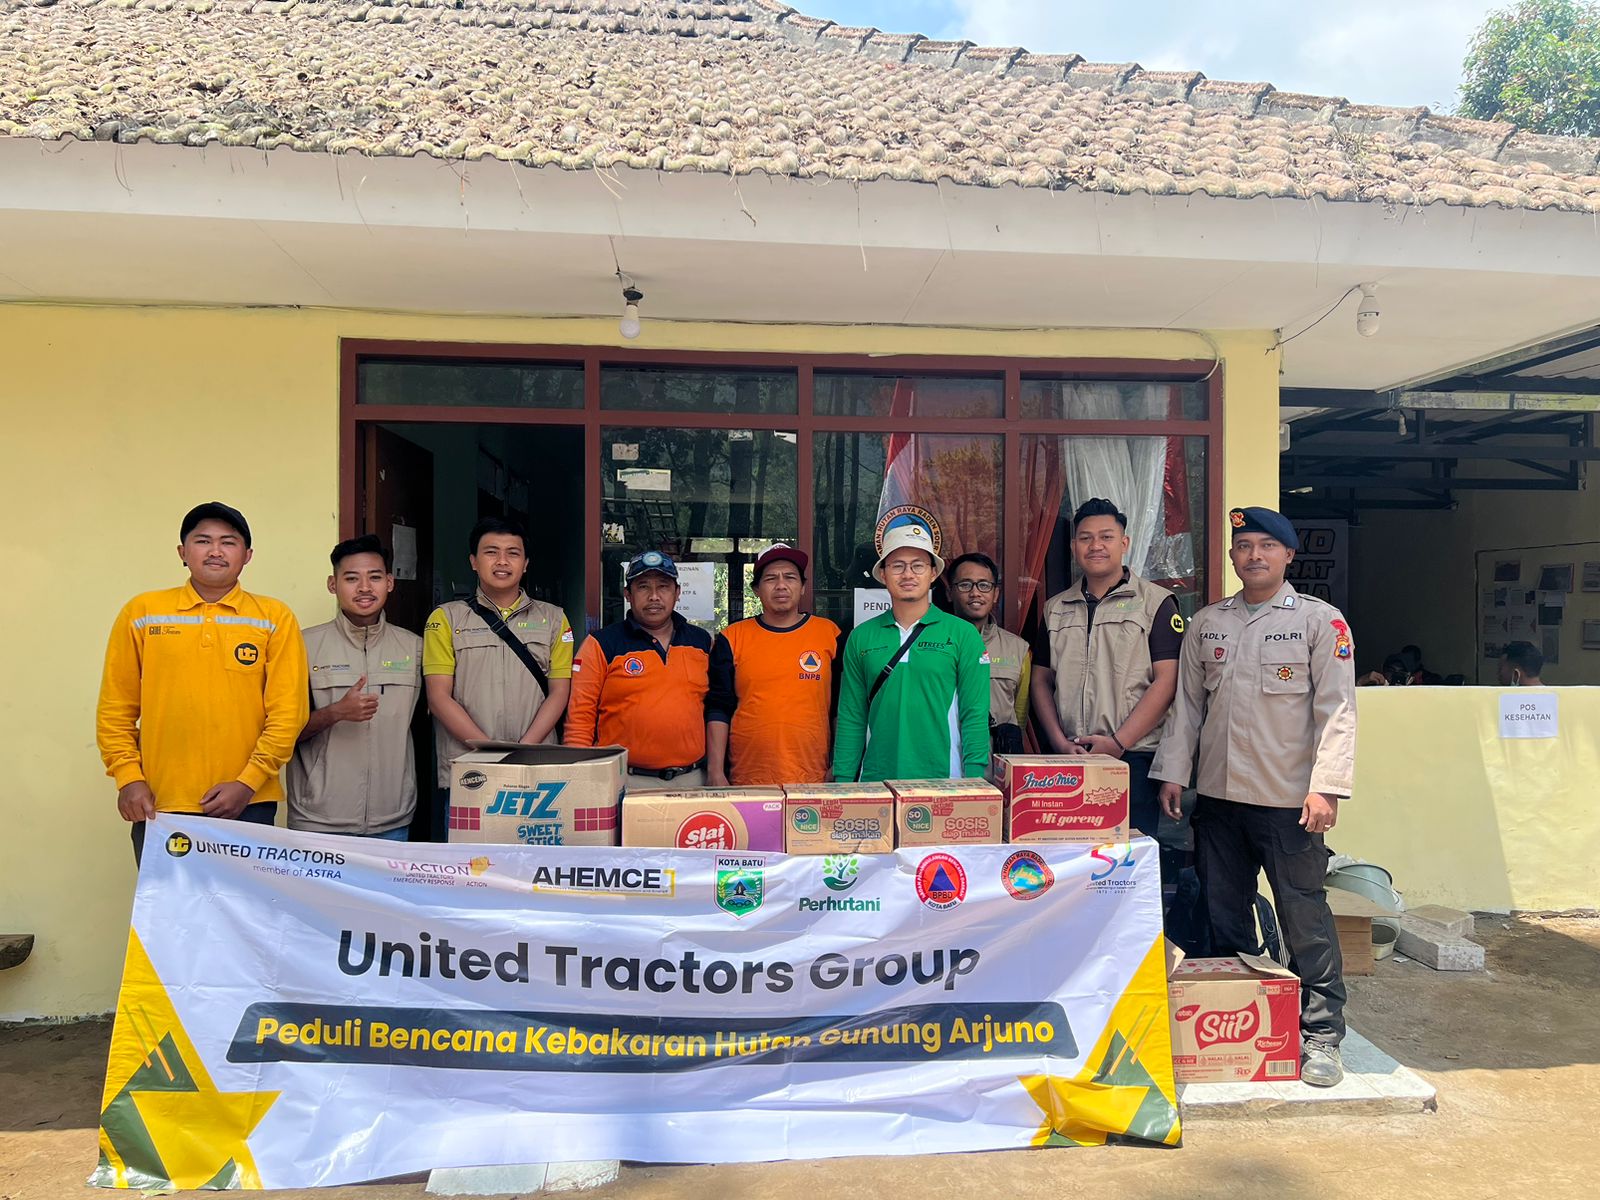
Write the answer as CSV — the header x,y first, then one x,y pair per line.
x,y
301,1009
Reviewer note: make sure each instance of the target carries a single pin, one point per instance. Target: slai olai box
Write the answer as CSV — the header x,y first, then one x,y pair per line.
x,y
947,812
1063,797
507,792
838,818
705,819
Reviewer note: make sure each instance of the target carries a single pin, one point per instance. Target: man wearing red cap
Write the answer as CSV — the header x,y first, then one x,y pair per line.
x,y
771,681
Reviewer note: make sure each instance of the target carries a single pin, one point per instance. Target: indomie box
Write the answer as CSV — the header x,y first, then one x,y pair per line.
x,y
705,819
1063,797
947,812
537,795
838,818
1234,1020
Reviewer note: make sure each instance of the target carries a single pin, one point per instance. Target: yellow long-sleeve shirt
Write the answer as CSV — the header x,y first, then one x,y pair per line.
x,y
197,694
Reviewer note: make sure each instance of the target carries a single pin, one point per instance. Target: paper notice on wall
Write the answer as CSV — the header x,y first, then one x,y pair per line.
x,y
1526,714
403,541
1552,600
1591,576
870,602
699,583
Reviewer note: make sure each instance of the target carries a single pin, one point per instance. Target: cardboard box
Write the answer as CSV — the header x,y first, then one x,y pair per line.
x,y
838,818
506,792
1234,1020
1352,917
1063,797
705,819
947,812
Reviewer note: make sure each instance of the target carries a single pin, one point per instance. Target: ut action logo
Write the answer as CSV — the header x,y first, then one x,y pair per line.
x,y
538,802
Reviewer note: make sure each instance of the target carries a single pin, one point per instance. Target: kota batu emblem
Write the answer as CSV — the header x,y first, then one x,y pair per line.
x,y
1285,673
741,885
840,871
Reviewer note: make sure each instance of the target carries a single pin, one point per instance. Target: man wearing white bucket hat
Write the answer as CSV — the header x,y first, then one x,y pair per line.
x,y
914,681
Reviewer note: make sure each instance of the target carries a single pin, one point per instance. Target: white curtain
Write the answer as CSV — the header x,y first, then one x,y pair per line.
x,y
1127,471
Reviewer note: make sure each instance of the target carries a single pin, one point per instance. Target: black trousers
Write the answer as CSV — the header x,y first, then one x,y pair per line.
x,y
1233,842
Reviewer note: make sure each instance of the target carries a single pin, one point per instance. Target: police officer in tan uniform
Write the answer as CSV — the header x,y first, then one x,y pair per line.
x,y
974,583
1105,659
480,686
353,769
1267,694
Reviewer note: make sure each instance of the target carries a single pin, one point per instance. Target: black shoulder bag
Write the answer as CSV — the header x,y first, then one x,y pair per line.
x,y
877,686
503,631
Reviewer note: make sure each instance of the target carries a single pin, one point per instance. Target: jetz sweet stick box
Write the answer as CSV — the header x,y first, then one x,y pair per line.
x,y
1063,798
838,818
537,795
947,812
705,819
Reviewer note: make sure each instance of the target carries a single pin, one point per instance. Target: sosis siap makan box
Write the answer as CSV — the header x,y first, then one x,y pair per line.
x,y
507,792
705,819
1063,798
838,818
1234,1020
947,812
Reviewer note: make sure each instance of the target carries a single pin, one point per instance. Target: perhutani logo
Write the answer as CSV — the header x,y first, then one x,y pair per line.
x,y
473,780
840,871
178,844
605,881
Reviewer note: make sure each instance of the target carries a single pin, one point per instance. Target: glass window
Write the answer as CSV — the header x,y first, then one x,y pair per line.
x,y
956,477
673,389
470,385
1159,482
845,395
711,498
1098,400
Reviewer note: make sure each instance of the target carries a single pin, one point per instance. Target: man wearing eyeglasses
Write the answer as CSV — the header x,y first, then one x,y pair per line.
x,y
914,681
975,594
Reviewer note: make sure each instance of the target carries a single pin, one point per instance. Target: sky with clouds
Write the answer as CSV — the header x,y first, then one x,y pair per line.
x,y
1400,52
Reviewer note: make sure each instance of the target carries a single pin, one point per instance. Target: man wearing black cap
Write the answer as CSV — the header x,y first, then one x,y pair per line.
x,y
204,690
1266,692
641,683
771,683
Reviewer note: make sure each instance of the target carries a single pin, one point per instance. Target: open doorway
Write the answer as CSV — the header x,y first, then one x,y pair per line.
x,y
423,488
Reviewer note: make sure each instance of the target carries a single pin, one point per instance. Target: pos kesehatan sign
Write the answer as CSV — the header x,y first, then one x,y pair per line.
x,y
299,1009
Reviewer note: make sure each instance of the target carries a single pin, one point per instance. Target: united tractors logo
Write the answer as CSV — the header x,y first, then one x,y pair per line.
x,y
179,844
247,654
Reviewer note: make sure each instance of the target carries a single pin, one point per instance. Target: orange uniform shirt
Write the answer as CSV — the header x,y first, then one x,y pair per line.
x,y
774,688
627,692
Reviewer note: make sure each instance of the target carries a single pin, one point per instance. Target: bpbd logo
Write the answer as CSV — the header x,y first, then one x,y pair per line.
x,y
537,802
941,881
806,819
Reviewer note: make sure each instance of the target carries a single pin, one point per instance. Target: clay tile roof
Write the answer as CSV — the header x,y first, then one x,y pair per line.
x,y
729,86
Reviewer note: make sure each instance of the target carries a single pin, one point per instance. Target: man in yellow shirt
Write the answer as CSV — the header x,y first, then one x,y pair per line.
x,y
479,687
205,687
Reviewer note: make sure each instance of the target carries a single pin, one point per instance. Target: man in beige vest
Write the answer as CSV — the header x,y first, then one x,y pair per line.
x,y
479,687
1105,658
354,770
974,595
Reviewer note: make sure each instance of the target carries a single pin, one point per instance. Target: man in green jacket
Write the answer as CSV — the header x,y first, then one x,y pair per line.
x,y
929,718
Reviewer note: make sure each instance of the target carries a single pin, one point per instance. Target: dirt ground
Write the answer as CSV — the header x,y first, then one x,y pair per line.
x,y
1514,1052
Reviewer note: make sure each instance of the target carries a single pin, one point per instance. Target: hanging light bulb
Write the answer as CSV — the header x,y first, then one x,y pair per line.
x,y
1367,314
629,325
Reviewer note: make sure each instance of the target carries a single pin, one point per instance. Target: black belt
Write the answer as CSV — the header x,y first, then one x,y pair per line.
x,y
666,772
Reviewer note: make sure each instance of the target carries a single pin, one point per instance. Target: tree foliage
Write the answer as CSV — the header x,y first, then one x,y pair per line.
x,y
1537,64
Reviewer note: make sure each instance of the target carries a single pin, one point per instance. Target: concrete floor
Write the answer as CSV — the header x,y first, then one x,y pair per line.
x,y
1514,1053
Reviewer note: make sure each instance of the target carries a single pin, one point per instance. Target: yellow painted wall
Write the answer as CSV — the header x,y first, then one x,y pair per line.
x,y
118,420
1463,817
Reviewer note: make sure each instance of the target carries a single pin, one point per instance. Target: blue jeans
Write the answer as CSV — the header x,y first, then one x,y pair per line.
x,y
262,812
403,834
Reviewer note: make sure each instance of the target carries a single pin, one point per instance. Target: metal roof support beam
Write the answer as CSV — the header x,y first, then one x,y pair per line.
x,y
1415,484
1533,451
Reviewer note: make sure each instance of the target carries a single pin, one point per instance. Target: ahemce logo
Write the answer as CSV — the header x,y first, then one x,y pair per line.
x,y
1239,1026
1032,781
609,881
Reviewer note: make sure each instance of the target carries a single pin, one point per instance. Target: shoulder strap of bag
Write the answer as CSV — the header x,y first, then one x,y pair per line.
x,y
883,678
503,631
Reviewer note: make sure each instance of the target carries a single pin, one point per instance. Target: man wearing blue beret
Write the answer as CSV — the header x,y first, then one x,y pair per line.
x,y
1266,693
